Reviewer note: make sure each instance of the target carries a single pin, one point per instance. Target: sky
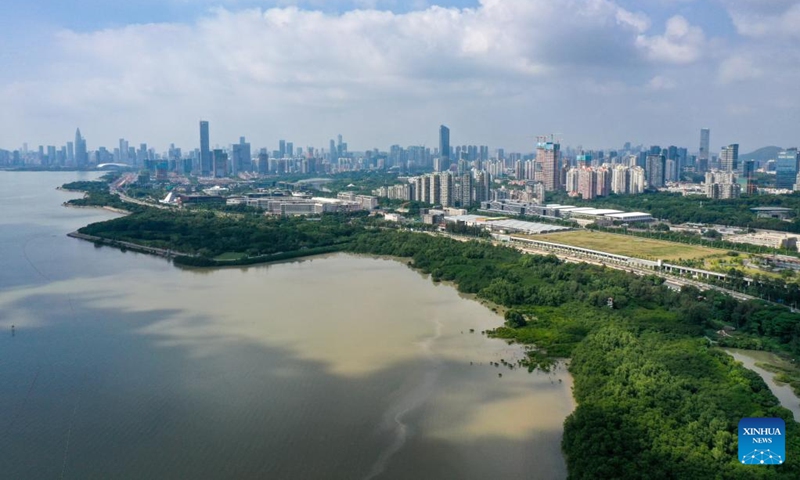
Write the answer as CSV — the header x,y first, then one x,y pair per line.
x,y
593,73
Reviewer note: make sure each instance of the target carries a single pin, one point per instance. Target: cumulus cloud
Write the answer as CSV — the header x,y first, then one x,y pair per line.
x,y
681,42
739,68
378,74
765,18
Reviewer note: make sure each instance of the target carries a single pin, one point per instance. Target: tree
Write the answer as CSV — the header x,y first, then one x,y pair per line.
x,y
515,319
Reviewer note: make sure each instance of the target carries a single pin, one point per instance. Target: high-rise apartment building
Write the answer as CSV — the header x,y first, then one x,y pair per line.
x,y
603,181
446,186
620,180
547,154
655,169
729,158
587,183
466,190
722,185
435,186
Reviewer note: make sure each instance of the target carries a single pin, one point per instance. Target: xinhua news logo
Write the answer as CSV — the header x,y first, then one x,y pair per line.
x,y
762,441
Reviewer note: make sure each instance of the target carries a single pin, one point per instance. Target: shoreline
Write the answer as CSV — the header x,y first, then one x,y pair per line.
x,y
120,245
787,398
97,207
185,260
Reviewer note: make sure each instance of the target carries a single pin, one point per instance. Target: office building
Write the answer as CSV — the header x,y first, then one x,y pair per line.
x,y
444,148
747,173
81,154
242,159
703,156
220,160
786,168
206,163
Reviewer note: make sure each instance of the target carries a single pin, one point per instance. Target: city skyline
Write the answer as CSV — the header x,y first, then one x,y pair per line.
x,y
488,70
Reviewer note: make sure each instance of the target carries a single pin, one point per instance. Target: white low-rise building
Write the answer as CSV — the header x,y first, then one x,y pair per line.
x,y
631,217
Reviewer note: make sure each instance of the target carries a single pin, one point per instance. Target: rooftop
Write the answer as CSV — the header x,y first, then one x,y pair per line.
x,y
528,227
771,209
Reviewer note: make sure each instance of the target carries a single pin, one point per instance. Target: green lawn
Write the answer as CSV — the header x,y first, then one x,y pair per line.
x,y
631,246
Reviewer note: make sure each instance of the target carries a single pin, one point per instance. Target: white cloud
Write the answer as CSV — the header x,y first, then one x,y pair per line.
x,y
738,68
659,82
681,43
769,19
499,73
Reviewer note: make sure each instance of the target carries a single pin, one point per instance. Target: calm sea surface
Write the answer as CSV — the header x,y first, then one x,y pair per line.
x,y
123,366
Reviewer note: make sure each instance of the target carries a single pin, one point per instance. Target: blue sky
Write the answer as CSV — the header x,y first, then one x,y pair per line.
x,y
498,72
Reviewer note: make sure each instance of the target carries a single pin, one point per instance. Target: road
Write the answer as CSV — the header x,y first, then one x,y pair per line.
x,y
116,189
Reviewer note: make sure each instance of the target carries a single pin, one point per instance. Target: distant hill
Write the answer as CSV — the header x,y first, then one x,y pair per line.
x,y
762,154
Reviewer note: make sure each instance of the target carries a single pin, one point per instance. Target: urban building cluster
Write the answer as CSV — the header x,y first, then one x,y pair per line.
x,y
582,215
281,202
462,175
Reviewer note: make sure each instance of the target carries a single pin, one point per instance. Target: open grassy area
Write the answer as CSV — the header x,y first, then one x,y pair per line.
x,y
646,248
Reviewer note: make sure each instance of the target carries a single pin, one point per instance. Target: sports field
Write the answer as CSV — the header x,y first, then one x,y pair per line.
x,y
631,246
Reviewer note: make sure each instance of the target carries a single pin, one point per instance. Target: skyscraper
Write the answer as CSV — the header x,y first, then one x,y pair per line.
x,y
70,153
786,168
747,170
123,151
81,155
206,164
704,155
729,158
242,157
466,190
547,158
444,148
220,160
655,170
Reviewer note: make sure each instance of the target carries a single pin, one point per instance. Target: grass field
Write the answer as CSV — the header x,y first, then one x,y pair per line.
x,y
631,246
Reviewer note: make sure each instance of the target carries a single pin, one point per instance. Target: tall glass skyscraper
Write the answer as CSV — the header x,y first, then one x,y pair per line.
x,y
444,148
786,167
704,155
206,165
81,155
